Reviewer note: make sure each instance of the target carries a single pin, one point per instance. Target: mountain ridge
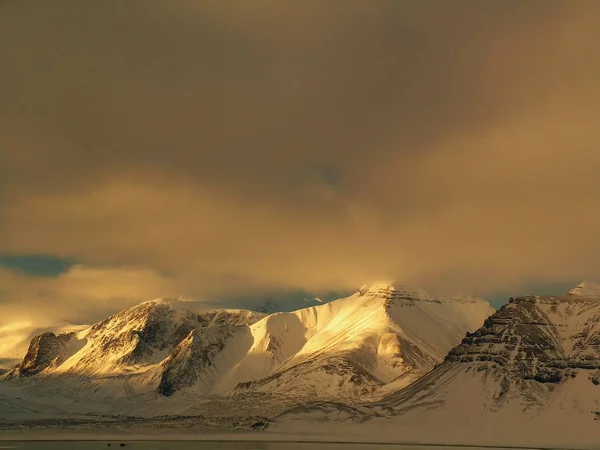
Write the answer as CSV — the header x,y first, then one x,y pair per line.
x,y
400,362
534,365
351,349
585,289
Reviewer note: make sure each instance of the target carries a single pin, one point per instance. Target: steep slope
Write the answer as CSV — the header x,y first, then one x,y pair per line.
x,y
532,367
586,289
46,351
360,347
354,349
131,341
16,336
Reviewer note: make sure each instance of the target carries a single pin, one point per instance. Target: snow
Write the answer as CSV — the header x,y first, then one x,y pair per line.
x,y
456,408
291,348
479,401
357,348
120,332
270,366
586,289
16,336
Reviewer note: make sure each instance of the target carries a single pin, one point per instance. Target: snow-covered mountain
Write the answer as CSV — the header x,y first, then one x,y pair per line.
x,y
16,336
404,365
128,342
363,346
533,368
586,289
353,349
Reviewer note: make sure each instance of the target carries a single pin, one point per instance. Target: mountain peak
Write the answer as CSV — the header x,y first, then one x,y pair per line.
x,y
369,288
389,290
356,348
586,289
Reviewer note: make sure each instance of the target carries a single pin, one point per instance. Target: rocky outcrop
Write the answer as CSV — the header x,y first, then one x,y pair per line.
x,y
535,355
192,356
45,351
527,339
586,289
145,334
353,349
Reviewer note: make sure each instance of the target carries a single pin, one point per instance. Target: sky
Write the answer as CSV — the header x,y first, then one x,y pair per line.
x,y
237,149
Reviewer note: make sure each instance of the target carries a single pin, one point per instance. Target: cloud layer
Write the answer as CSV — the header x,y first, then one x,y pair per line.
x,y
79,295
227,147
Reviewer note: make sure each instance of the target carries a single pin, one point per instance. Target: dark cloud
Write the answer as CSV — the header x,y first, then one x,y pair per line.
x,y
237,95
37,265
264,144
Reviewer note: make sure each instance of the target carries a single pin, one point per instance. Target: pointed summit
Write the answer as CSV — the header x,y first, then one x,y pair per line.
x,y
586,289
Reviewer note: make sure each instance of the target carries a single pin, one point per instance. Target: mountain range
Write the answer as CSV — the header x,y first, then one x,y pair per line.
x,y
529,375
403,361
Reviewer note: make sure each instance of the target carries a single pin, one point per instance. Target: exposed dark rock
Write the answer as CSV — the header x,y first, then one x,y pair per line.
x,y
261,425
45,350
194,354
521,338
352,377
143,333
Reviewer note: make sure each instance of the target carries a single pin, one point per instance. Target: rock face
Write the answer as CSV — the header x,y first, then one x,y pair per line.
x,y
586,289
16,337
133,341
45,351
141,335
537,338
192,357
524,358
